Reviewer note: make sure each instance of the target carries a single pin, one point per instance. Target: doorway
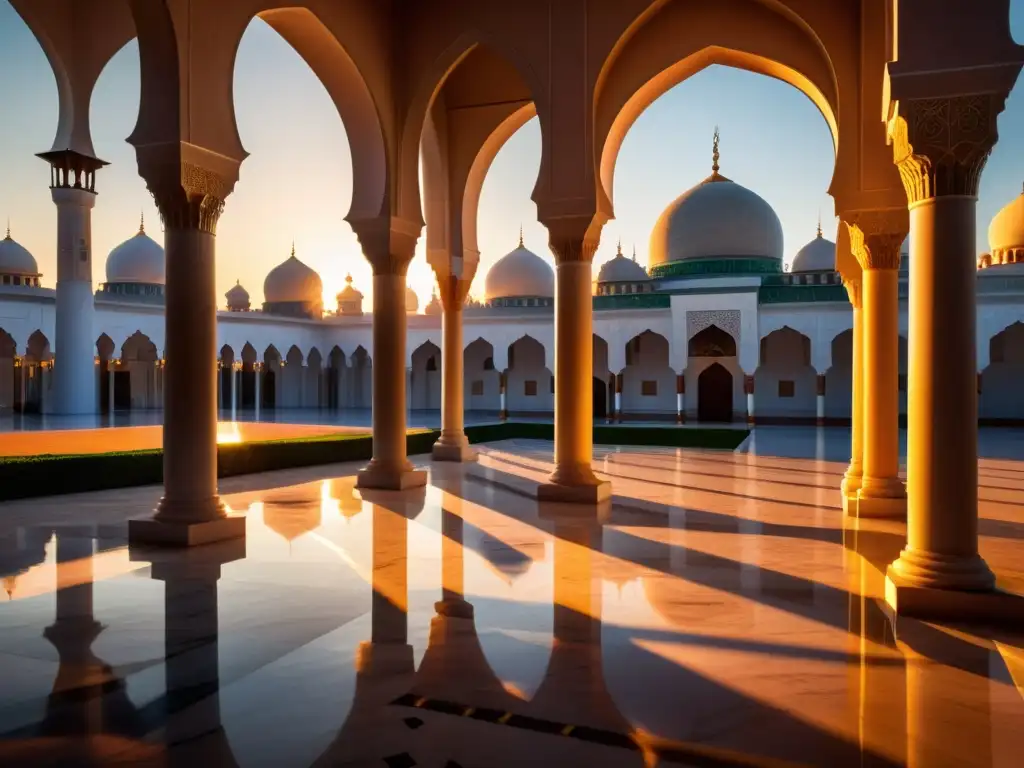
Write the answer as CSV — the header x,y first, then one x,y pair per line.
x,y
600,398
714,394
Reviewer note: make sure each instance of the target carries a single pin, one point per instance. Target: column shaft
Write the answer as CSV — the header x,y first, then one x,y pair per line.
x,y
74,382
452,445
389,468
190,397
942,452
851,480
882,493
573,478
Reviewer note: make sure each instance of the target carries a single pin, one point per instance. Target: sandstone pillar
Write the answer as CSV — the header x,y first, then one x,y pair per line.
x,y
73,190
573,479
190,200
748,390
875,239
940,147
389,253
851,480
452,445
617,415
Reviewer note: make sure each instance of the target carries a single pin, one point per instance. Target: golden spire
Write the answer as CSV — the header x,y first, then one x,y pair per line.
x,y
634,253
618,252
142,222
714,153
8,237
520,235
819,225
293,249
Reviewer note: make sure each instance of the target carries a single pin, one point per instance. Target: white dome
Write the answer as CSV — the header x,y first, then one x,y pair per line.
x,y
520,274
292,281
412,301
619,269
15,259
1006,232
237,296
139,259
716,219
819,255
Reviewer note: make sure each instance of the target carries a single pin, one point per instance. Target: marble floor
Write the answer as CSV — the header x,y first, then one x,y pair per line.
x,y
718,613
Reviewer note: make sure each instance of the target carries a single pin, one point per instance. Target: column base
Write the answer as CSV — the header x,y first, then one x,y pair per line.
x,y
579,486
988,606
882,498
454,609
848,488
184,533
390,478
453,451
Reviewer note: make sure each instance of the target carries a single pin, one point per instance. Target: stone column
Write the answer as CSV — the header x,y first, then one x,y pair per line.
x,y
190,200
851,480
819,413
257,369
875,239
21,383
452,445
748,390
940,147
73,190
502,395
618,397
44,385
389,253
573,479
111,369
680,399
234,391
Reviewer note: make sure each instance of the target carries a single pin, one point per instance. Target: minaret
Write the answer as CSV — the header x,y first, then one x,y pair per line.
x,y
73,189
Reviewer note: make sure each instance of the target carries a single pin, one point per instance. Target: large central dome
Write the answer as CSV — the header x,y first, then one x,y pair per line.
x,y
717,219
520,273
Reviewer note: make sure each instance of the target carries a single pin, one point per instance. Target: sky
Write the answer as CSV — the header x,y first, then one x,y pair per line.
x,y
773,141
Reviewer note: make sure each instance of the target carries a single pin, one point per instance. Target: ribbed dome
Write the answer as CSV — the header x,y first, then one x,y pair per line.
x,y
520,274
139,259
716,219
1006,232
619,269
15,258
292,281
412,301
238,297
819,255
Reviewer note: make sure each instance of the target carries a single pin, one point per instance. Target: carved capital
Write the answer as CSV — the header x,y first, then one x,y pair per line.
x,y
570,249
876,236
453,291
941,145
188,183
387,243
854,291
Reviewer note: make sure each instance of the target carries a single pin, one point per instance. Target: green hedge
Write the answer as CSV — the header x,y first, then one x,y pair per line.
x,y
50,474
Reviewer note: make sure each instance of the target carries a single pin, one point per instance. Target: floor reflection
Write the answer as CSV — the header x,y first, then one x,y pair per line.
x,y
719,613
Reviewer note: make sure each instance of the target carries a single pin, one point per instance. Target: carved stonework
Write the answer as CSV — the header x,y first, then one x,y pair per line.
x,y
726,319
876,250
941,145
453,291
388,243
853,290
573,249
193,200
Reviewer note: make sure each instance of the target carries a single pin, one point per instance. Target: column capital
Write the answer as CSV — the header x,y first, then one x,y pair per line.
x,y
452,291
876,236
941,145
188,183
388,243
573,249
854,289
574,237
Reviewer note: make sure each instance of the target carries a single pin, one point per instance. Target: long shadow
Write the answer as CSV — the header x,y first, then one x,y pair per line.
x,y
731,476
1001,529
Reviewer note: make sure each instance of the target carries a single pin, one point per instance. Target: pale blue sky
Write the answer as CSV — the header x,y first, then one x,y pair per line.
x,y
774,141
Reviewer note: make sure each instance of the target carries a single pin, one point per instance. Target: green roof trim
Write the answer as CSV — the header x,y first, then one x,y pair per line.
x,y
633,301
723,265
801,294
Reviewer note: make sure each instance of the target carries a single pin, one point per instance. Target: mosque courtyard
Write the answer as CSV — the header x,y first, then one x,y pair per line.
x,y
466,624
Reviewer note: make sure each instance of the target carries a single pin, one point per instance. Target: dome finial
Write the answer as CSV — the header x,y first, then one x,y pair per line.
x,y
714,153
634,253
293,249
618,252
8,236
819,224
520,235
348,278
142,222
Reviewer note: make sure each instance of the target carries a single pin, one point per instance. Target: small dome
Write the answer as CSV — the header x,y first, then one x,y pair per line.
x,y
520,274
238,297
412,301
350,301
819,255
292,281
716,219
15,258
1006,233
619,269
139,259
434,307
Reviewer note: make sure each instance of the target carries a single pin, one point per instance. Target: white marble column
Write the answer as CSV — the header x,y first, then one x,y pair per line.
x,y
452,445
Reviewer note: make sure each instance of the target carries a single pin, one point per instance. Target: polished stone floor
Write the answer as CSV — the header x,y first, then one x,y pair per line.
x,y
718,613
